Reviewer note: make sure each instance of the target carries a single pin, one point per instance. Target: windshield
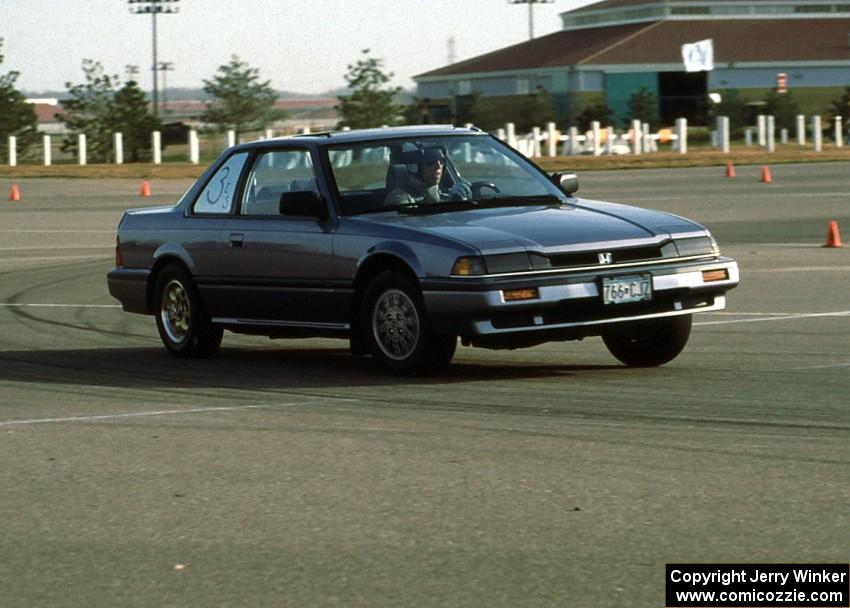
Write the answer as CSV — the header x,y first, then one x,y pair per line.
x,y
453,172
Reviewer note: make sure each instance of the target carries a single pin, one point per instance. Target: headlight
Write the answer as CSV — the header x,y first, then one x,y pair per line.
x,y
502,263
700,245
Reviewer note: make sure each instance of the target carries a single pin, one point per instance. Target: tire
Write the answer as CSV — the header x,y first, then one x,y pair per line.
x,y
650,344
183,323
396,329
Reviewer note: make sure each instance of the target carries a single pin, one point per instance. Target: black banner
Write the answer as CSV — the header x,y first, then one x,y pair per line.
x,y
757,585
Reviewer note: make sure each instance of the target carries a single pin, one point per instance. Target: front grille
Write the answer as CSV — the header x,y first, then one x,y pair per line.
x,y
619,256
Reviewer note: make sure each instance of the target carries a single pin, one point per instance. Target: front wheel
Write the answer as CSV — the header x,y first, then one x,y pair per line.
x,y
183,323
397,329
651,343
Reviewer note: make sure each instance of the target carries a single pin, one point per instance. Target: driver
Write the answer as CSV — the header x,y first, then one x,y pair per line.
x,y
424,185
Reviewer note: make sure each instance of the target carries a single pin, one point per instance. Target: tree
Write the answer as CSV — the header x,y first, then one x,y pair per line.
x,y
89,110
784,109
732,106
841,107
242,102
97,110
130,116
598,112
643,106
368,105
17,117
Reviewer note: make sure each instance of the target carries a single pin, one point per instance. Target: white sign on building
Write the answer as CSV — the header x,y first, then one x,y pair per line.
x,y
699,56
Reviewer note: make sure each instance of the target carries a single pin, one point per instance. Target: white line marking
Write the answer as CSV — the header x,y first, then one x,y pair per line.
x,y
198,410
54,258
799,269
16,305
58,247
834,365
779,317
39,231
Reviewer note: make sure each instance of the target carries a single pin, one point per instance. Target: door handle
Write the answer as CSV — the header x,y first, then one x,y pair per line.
x,y
236,239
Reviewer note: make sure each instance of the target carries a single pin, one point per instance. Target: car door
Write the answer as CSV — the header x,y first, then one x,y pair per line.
x,y
277,268
201,229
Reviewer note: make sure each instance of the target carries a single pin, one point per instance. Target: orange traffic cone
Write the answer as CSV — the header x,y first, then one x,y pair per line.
x,y
14,193
145,189
765,175
833,239
730,169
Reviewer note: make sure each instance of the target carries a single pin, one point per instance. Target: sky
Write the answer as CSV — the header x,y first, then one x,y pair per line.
x,y
299,45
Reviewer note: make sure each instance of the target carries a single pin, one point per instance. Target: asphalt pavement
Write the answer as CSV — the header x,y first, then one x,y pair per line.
x,y
286,473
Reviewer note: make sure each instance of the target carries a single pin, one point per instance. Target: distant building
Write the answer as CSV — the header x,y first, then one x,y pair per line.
x,y
608,50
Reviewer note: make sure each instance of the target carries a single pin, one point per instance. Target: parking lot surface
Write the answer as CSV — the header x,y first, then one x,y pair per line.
x,y
286,473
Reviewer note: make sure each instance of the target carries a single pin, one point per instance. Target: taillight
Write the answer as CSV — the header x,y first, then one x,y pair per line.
x,y
118,261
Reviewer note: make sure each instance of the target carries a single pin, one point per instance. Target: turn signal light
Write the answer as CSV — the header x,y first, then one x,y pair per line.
x,y
715,275
513,295
118,261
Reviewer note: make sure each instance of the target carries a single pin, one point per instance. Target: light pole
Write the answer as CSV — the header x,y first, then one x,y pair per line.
x,y
153,8
165,67
131,70
530,4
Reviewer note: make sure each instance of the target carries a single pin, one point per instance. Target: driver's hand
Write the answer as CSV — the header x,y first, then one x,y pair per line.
x,y
461,191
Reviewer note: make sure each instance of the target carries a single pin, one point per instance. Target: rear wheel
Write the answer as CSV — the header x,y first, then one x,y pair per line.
x,y
651,343
183,323
397,330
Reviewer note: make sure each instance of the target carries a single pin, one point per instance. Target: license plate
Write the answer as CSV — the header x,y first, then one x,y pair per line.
x,y
622,290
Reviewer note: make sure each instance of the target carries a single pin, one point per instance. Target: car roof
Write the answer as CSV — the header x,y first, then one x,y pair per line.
x,y
330,138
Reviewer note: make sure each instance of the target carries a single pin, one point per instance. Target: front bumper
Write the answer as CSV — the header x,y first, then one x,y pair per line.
x,y
569,305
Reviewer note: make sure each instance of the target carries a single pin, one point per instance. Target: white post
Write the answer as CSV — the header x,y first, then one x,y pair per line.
x,y
535,143
748,136
194,151
306,130
573,141
551,140
817,134
156,147
839,134
610,136
762,125
637,135
723,133
594,130
783,136
13,151
682,134
269,134
467,125
82,149
771,134
230,141
510,129
48,151
346,128
500,134
119,148
801,130
647,141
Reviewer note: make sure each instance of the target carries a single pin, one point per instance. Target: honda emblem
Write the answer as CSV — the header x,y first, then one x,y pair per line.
x,y
605,258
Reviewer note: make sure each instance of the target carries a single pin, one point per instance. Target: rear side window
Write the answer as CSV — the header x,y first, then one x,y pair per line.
x,y
217,196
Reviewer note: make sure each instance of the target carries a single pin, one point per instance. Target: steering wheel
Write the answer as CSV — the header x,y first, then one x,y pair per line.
x,y
477,187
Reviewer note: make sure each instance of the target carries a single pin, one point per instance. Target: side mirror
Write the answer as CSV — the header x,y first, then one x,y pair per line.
x,y
304,203
568,182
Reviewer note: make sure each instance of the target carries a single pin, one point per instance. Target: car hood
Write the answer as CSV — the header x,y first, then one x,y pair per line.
x,y
580,225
